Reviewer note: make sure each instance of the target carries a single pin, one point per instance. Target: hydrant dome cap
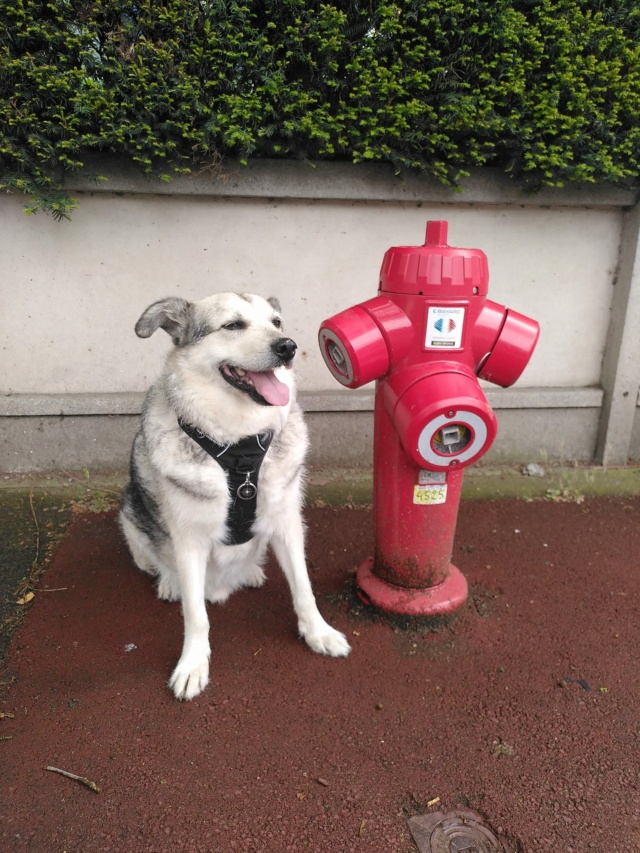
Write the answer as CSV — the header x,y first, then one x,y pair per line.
x,y
435,269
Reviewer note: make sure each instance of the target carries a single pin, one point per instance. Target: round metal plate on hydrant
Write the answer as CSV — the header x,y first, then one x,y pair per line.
x,y
456,831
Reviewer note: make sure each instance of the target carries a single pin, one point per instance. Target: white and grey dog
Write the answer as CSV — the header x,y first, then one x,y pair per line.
x,y
217,469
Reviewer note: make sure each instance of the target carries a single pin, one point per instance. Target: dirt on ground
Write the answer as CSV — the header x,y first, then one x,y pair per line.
x,y
524,708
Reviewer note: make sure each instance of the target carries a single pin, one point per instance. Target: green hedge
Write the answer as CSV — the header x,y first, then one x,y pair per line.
x,y
547,90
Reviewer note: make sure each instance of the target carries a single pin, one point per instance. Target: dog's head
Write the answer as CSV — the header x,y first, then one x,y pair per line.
x,y
235,337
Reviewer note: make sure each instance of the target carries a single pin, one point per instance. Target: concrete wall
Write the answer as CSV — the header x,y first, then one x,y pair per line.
x,y
73,371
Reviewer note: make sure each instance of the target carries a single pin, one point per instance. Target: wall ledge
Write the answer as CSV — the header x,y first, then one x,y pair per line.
x,y
75,405
334,181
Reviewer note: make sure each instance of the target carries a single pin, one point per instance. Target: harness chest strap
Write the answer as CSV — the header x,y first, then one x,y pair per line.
x,y
241,463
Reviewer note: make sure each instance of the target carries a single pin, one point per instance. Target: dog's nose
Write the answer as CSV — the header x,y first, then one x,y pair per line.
x,y
284,348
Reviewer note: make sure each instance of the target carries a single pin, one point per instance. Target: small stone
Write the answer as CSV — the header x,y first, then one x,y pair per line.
x,y
501,748
534,470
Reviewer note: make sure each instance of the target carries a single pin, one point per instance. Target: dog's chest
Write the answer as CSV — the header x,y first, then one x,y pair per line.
x,y
241,463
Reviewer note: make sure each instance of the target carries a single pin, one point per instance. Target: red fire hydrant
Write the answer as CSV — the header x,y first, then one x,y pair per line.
x,y
425,339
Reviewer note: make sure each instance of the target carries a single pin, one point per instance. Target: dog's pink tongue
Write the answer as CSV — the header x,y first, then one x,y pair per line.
x,y
273,391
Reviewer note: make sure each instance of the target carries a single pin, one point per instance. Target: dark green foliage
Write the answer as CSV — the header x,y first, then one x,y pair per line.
x,y
547,90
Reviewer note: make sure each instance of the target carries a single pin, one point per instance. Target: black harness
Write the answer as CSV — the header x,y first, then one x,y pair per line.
x,y
241,463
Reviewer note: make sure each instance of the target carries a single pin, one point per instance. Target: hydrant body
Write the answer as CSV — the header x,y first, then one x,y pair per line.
x,y
425,340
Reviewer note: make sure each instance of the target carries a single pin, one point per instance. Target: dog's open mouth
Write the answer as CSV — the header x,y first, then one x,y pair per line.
x,y
263,387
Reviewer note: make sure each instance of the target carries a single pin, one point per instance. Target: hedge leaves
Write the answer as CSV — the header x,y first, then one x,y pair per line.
x,y
547,90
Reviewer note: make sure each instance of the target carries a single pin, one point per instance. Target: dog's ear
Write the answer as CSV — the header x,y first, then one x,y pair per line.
x,y
275,303
173,314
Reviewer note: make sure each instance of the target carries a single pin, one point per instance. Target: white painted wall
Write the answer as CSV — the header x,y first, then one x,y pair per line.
x,y
72,292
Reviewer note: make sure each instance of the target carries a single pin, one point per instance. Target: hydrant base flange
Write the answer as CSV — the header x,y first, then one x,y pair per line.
x,y
440,600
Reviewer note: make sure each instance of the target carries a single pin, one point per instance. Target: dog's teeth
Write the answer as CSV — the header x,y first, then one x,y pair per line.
x,y
240,371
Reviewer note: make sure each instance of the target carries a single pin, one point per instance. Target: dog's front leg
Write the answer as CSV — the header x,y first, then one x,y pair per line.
x,y
288,546
191,674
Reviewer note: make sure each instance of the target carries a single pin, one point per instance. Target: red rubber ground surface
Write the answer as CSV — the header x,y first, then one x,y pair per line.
x,y
525,709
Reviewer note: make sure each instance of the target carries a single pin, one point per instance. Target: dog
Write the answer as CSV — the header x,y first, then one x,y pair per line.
x,y
217,470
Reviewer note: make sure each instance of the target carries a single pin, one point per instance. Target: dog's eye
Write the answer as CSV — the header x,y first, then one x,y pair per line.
x,y
235,326
277,322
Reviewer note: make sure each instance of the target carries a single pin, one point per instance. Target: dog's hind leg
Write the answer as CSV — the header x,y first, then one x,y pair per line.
x,y
139,545
288,546
254,575
152,560
234,567
168,581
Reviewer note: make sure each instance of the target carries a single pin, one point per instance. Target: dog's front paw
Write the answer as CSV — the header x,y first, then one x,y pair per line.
x,y
190,677
327,641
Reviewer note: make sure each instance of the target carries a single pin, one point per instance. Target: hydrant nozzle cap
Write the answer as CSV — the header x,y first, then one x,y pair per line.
x,y
436,232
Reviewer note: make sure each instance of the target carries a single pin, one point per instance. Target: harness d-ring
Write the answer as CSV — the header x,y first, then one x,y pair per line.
x,y
247,491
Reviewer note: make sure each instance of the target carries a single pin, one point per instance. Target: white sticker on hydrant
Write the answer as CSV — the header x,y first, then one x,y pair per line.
x,y
431,488
444,327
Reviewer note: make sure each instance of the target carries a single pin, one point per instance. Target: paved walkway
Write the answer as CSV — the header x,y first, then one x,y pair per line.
x,y
525,709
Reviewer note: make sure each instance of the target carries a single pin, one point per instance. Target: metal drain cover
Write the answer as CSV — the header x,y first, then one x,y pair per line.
x,y
457,831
